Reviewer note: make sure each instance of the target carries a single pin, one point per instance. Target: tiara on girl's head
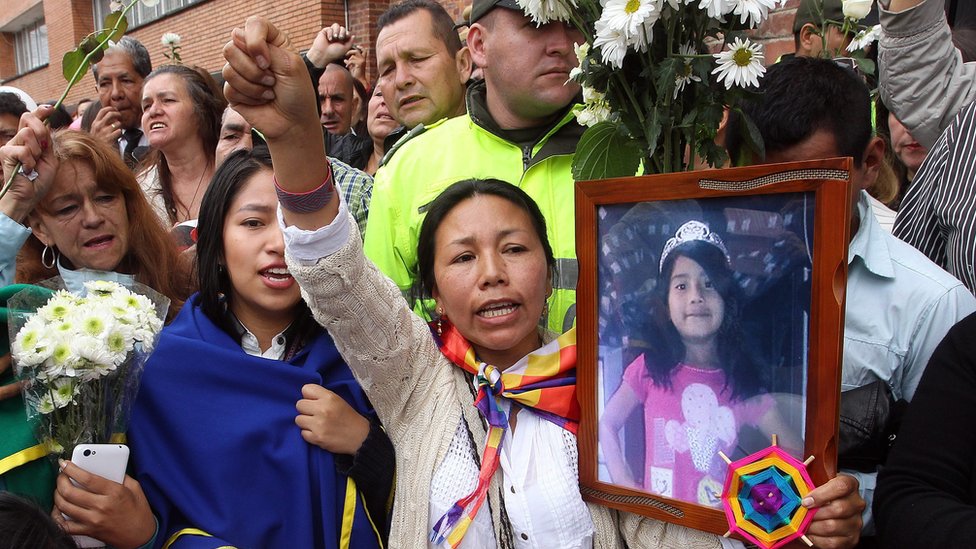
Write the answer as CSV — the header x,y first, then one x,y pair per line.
x,y
689,232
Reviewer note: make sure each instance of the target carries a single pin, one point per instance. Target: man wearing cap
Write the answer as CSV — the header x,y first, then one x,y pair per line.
x,y
817,27
11,107
518,128
118,79
13,103
933,93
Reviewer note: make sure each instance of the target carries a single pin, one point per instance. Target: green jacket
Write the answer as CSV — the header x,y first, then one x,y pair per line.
x,y
464,148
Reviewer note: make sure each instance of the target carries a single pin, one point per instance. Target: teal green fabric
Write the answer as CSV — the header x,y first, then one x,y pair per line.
x,y
34,480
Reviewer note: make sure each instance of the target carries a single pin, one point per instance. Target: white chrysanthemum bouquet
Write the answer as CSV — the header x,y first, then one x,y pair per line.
x,y
657,76
81,358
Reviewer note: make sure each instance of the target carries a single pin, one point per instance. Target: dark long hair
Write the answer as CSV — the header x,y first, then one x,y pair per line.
x,y
742,372
451,197
228,180
215,286
208,106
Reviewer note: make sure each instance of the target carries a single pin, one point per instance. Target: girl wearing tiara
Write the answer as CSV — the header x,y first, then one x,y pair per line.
x,y
699,387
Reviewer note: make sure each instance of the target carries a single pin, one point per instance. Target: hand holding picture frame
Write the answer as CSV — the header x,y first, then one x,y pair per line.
x,y
710,317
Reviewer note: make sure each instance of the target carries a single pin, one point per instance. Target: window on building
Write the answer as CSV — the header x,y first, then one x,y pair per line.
x,y
30,46
140,14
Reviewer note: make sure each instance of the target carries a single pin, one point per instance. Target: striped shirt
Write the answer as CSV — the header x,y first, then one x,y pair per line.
x,y
938,214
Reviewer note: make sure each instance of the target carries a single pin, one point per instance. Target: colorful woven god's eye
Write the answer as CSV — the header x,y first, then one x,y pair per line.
x,y
762,498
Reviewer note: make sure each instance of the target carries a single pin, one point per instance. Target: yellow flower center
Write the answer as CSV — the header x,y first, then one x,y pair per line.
x,y
61,353
742,57
632,6
29,340
93,326
116,343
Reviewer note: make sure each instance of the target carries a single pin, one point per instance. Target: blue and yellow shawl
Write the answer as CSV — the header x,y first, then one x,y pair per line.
x,y
218,453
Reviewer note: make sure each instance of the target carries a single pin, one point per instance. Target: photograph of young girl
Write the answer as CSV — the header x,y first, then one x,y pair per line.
x,y
708,353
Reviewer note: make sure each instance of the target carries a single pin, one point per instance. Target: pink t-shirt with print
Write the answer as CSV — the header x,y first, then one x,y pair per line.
x,y
685,428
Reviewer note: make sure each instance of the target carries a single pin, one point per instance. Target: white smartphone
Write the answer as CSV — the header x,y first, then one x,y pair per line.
x,y
105,460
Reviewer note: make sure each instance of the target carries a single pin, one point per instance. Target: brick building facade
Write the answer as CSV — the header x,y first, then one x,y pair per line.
x,y
205,26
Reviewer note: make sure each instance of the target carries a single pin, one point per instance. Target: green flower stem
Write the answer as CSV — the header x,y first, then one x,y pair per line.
x,y
630,97
593,13
580,25
79,72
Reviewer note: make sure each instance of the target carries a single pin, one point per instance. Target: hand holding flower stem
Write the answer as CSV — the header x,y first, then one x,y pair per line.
x,y
77,61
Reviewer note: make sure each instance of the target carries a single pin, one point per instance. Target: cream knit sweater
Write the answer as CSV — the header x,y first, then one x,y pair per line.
x,y
421,398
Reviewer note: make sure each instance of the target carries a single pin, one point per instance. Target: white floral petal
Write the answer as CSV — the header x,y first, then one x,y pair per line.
x,y
740,64
612,44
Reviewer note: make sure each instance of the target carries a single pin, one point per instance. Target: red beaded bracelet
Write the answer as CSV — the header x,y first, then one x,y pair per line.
x,y
308,201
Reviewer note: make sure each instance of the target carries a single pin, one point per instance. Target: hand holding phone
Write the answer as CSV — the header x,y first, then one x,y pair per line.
x,y
105,460
108,461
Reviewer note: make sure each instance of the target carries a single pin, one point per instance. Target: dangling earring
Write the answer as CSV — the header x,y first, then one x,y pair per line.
x,y
48,264
440,323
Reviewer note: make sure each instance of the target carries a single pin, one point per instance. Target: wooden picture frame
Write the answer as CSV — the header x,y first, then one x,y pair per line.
x,y
785,230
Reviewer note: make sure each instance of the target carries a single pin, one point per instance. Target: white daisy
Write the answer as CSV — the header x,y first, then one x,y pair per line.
x,y
31,346
716,8
115,5
149,3
64,391
544,11
58,307
755,11
659,4
581,50
595,109
170,39
627,16
612,44
593,114
101,288
44,405
61,363
857,9
865,38
93,352
685,73
118,346
640,39
740,65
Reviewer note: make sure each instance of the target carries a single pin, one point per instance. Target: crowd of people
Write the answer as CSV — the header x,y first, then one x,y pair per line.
x,y
354,265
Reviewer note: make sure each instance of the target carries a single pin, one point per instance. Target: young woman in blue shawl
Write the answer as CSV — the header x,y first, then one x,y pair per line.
x,y
218,448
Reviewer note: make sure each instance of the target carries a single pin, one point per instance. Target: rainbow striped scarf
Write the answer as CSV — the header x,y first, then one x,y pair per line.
x,y
544,380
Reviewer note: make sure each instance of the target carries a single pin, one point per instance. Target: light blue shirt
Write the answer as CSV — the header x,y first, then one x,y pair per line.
x,y
899,307
12,238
